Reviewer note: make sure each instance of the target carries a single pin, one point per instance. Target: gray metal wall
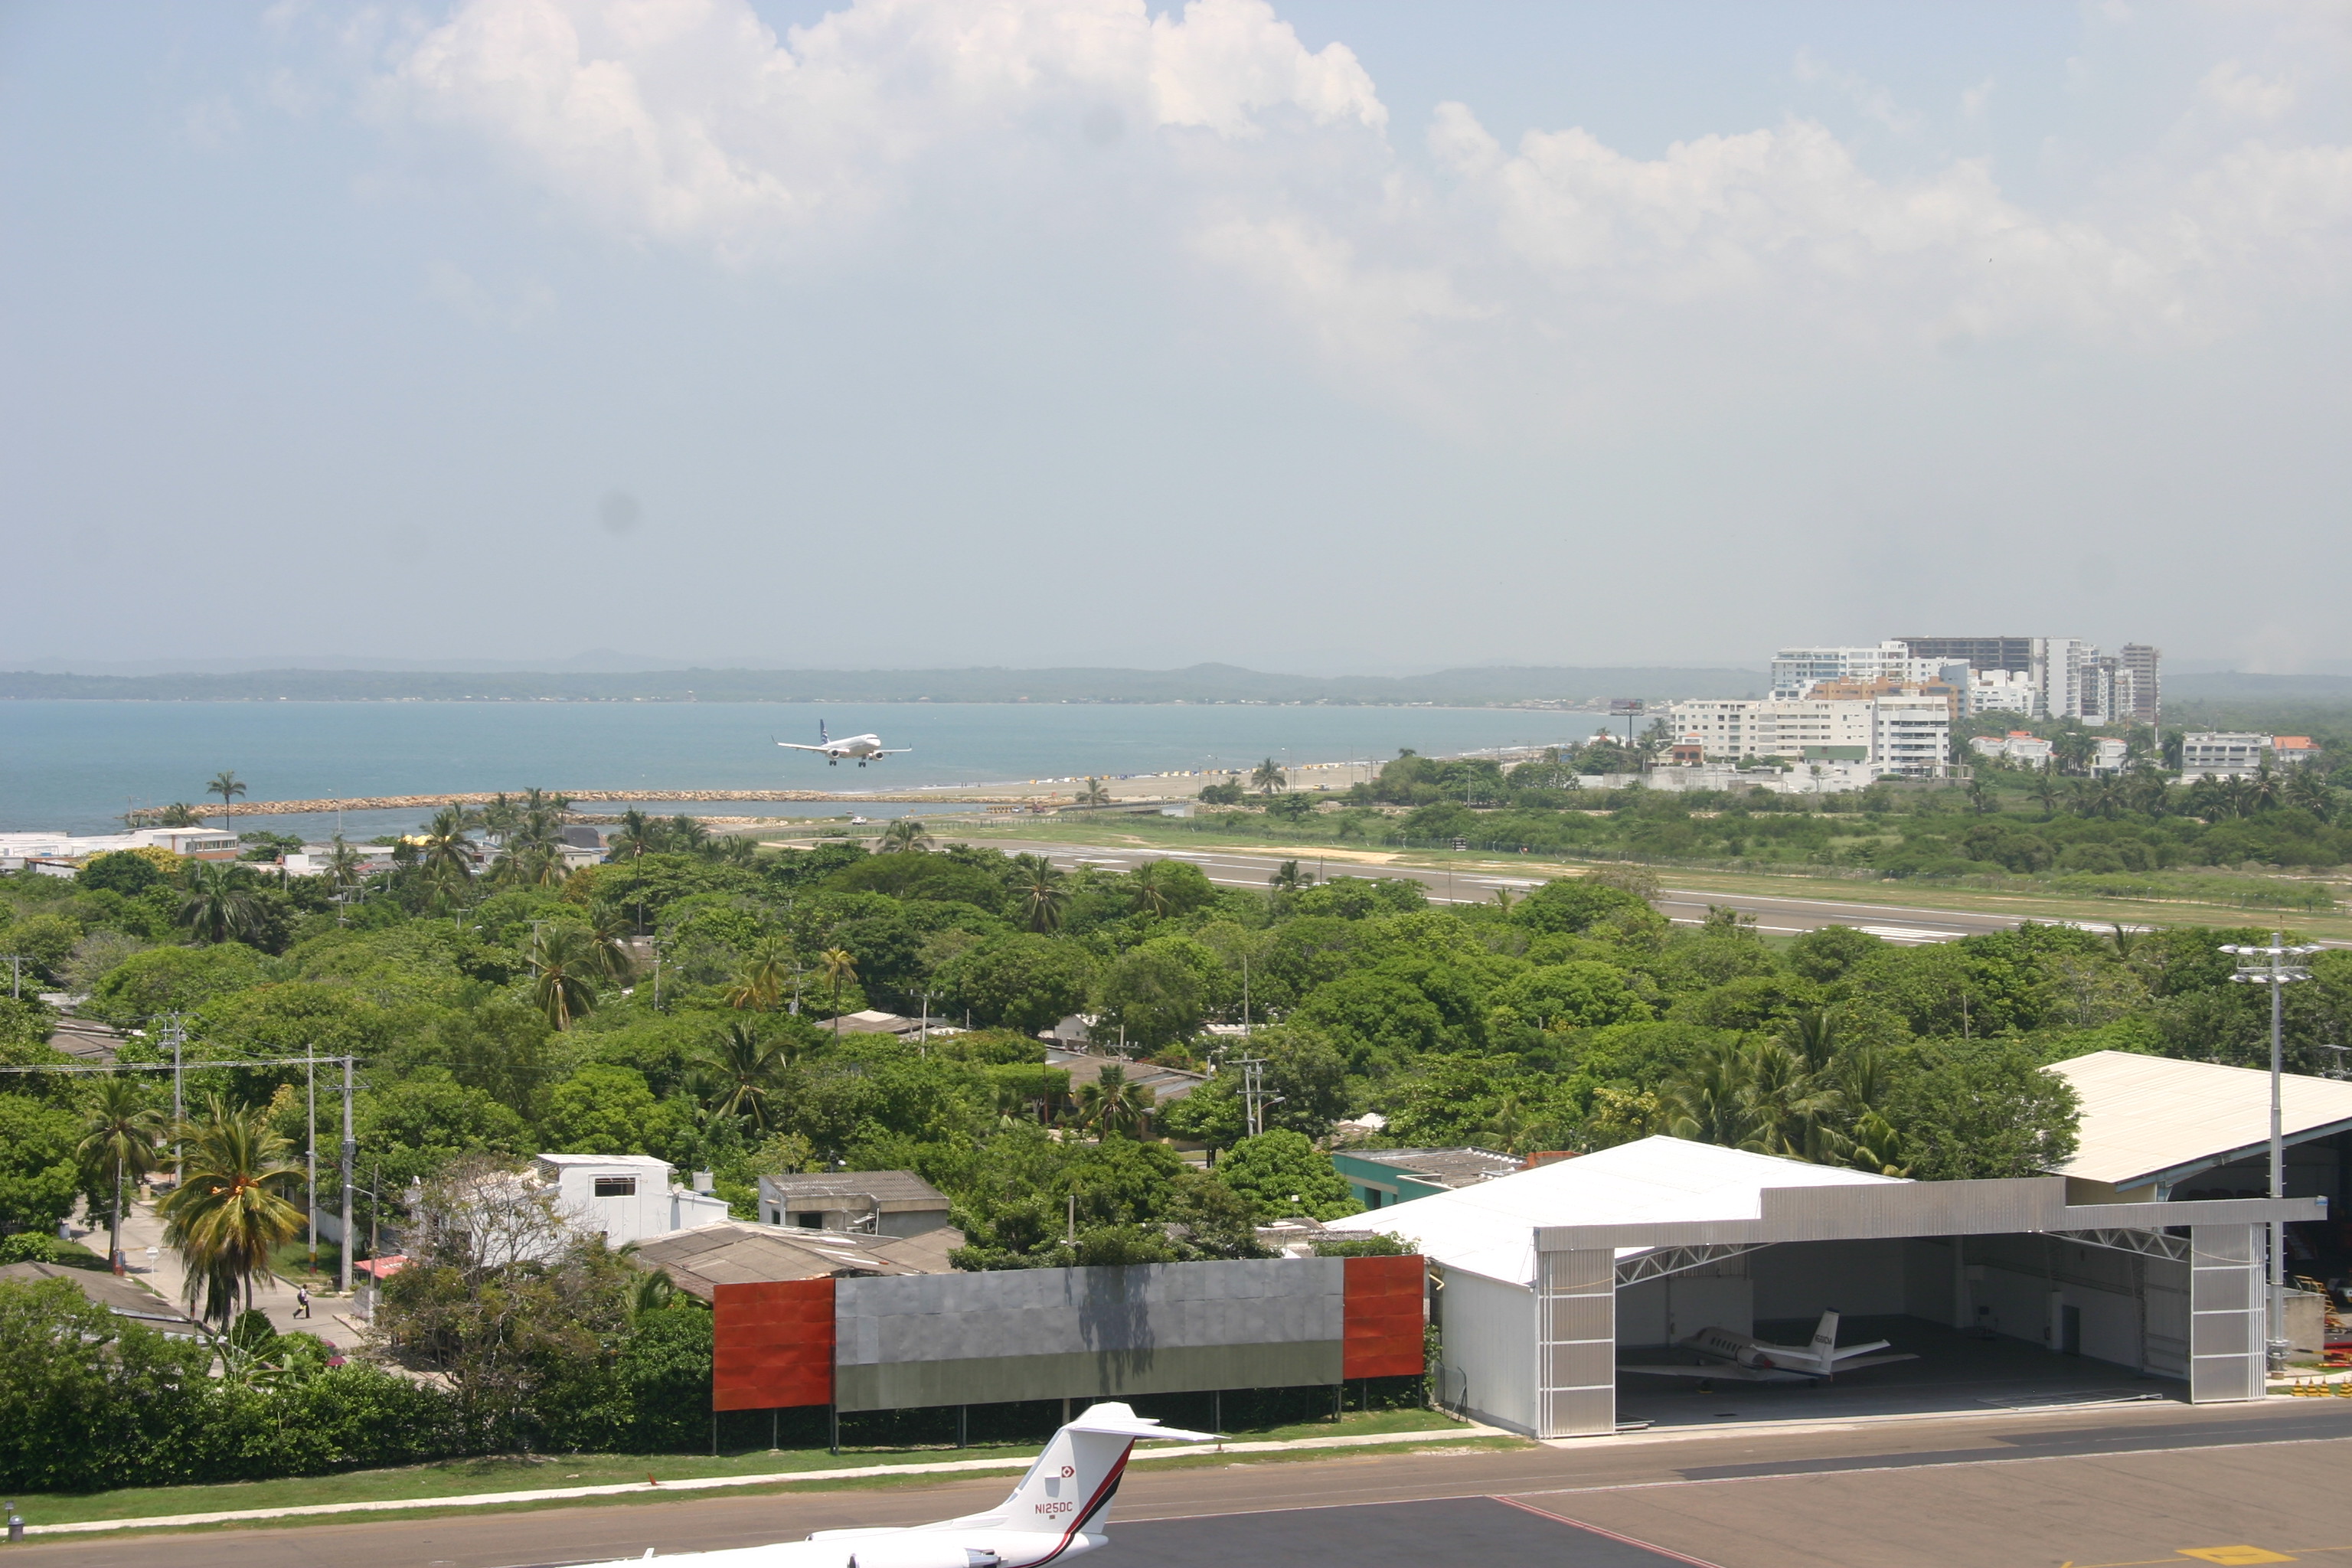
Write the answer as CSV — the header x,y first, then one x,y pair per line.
x,y
2227,1356
1056,1333
1486,1349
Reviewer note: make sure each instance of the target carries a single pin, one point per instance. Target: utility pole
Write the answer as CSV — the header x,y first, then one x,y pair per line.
x,y
2276,967
1254,1097
15,974
310,1153
179,1170
350,1149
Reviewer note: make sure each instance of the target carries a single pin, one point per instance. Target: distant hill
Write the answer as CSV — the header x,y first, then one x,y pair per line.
x,y
2238,684
1202,683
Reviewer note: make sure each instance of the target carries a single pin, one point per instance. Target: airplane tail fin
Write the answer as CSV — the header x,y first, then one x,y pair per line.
x,y
822,738
1068,1490
1825,1336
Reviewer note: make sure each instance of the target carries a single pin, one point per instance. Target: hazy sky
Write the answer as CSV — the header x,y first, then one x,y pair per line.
x,y
1326,335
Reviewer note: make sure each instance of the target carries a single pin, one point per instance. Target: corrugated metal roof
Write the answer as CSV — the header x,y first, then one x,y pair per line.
x,y
2146,1117
1489,1228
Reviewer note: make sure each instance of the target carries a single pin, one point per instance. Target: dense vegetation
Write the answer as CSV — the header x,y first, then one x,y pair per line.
x,y
2129,835
504,1009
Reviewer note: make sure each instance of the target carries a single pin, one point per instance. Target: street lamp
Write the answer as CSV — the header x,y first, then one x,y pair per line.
x,y
2276,967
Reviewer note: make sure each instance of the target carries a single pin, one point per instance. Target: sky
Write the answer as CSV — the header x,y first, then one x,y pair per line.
x,y
1320,335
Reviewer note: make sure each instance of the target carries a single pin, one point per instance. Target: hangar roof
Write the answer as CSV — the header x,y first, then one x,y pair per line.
x,y
1489,1228
2147,1119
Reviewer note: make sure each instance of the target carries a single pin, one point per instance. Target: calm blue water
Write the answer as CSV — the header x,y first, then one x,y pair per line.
x,y
78,765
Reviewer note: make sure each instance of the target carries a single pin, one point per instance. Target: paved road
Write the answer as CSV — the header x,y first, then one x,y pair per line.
x,y
1779,916
2101,1487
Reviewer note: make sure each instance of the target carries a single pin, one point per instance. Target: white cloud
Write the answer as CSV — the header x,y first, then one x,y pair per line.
x,y
691,119
2237,92
1533,274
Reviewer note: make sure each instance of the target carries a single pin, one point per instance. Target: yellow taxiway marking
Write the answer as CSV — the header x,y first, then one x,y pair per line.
x,y
2232,1556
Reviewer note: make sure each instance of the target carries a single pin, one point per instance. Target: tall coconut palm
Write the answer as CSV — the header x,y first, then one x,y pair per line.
x,y
610,954
1093,793
1038,888
1266,778
121,1133
1111,1105
840,967
685,835
638,834
564,966
229,787
1147,886
740,1073
905,836
448,858
343,864
2308,788
1289,879
217,905
229,1213
767,970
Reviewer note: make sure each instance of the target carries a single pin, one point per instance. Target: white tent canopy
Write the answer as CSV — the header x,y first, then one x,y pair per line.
x,y
1489,1228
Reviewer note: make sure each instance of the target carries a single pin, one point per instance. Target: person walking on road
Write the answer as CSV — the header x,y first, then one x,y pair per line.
x,y
301,1302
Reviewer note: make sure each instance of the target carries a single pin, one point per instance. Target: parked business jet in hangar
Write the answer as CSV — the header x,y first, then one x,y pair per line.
x,y
1745,1357
861,747
1061,1507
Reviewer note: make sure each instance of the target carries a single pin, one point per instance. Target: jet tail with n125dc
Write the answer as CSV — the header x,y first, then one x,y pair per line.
x,y
1061,1507
862,748
1743,1357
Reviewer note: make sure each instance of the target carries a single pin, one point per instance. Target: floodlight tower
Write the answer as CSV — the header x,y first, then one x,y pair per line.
x,y
2276,967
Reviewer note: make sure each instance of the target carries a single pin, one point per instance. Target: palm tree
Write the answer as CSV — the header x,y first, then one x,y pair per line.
x,y
448,854
733,849
1980,799
1289,879
1112,1105
1707,1102
2045,789
564,965
502,819
1039,888
1093,793
343,864
761,981
738,1074
226,786
610,955
122,1131
2265,789
1148,889
905,836
179,814
217,906
839,965
1267,778
638,834
2308,789
229,1213
687,834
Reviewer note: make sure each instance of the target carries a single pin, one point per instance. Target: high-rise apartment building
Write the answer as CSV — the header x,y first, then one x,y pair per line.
x,y
1796,670
2069,678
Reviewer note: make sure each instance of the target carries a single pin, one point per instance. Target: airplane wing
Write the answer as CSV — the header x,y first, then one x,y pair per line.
x,y
796,746
1841,1352
1731,1369
891,752
1874,1361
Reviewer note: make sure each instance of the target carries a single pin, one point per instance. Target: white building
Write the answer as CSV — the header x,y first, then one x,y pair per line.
x,y
1999,691
2228,754
198,843
1796,670
1911,736
627,1197
2022,747
2109,755
1902,735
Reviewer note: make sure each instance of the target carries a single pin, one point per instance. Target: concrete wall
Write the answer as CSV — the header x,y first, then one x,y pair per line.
x,y
973,1339
2019,1286
1713,1296
1488,1361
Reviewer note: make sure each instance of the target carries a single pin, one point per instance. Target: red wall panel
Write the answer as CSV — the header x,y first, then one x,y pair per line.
x,y
772,1344
1383,1316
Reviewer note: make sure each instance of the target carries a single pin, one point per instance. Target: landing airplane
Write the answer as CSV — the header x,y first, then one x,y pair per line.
x,y
858,746
1061,1507
1750,1359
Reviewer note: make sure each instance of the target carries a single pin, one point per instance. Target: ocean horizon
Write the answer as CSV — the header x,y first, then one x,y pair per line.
x,y
78,766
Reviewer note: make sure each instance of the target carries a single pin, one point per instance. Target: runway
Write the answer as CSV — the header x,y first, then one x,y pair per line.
x,y
2113,1487
1773,915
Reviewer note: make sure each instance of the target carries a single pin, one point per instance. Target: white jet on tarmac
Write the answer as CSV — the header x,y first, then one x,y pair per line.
x,y
860,747
1061,1507
1745,1357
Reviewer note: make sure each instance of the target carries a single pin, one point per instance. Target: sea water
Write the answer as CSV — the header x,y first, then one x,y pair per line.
x,y
78,766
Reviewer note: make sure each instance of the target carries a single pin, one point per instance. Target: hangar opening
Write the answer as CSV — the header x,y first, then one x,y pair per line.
x,y
1553,1285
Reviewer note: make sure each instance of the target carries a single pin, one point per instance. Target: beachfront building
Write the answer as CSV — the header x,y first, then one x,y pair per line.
x,y
63,851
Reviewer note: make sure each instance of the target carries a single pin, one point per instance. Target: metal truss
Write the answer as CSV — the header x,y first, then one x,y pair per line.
x,y
1662,1261
2147,1243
